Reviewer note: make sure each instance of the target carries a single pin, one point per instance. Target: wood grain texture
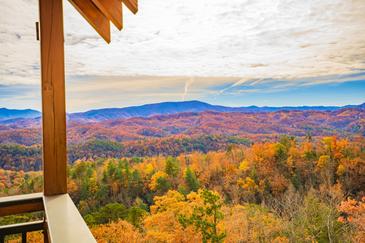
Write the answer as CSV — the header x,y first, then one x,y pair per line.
x,y
112,9
53,97
132,5
21,208
21,204
94,16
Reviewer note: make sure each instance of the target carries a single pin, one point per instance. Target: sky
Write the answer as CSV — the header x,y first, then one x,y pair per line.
x,y
234,53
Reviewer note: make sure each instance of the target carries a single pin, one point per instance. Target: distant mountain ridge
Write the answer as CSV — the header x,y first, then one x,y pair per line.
x,y
8,114
167,108
163,108
257,126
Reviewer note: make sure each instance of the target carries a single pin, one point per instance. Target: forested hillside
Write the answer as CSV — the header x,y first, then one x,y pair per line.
x,y
283,176
285,191
163,108
27,158
343,123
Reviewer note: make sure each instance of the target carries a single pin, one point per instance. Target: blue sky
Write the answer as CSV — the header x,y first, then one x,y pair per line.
x,y
266,93
236,53
322,94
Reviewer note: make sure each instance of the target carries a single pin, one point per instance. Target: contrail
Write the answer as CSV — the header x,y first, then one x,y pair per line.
x,y
188,83
242,80
239,82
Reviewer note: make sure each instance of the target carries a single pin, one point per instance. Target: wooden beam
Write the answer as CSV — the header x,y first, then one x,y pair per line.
x,y
112,9
53,97
21,204
21,208
132,5
94,16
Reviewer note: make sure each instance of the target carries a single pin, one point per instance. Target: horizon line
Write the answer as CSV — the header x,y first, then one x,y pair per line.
x,y
188,101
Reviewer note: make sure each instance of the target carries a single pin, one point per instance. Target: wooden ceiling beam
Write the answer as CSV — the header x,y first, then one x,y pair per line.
x,y
132,5
94,16
112,9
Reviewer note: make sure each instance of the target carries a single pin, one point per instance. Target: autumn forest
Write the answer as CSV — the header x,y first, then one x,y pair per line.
x,y
283,176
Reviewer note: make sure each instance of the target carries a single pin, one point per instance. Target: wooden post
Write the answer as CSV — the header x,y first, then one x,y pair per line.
x,y
53,97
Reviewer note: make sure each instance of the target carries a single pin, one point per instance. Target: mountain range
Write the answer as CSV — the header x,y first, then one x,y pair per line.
x,y
8,114
345,122
164,108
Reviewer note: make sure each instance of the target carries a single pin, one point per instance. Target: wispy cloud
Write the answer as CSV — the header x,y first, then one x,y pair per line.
x,y
188,83
275,85
237,46
91,92
252,39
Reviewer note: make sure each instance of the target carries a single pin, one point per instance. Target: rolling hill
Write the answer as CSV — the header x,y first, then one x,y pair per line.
x,y
8,114
165,108
344,122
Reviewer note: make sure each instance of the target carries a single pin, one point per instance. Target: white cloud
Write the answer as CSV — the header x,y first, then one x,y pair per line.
x,y
249,40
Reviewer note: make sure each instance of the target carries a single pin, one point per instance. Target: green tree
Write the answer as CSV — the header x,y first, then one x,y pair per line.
x,y
191,180
172,166
205,218
135,216
110,212
316,220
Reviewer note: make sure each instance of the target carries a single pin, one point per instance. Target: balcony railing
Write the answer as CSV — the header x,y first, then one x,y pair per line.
x,y
61,223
